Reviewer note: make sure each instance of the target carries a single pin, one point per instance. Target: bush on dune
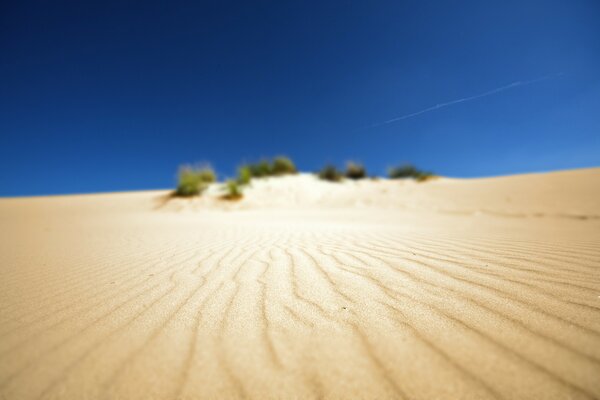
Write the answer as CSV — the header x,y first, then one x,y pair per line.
x,y
208,175
233,190
192,181
355,170
279,166
409,171
244,175
403,171
283,165
330,173
260,169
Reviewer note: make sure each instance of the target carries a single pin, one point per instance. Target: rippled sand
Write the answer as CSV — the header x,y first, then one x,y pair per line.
x,y
451,289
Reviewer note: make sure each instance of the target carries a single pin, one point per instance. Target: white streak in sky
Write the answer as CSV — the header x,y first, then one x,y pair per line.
x,y
477,96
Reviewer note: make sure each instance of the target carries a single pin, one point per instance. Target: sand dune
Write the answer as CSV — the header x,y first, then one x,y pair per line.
x,y
452,289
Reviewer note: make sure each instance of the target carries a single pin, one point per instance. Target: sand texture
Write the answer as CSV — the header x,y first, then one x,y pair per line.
x,y
450,289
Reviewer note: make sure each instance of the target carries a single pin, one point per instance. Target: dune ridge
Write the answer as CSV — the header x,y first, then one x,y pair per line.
x,y
306,289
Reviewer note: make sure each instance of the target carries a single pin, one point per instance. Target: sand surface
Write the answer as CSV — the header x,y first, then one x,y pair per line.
x,y
450,289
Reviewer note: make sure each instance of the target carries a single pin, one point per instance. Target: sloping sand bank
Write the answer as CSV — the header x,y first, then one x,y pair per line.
x,y
451,289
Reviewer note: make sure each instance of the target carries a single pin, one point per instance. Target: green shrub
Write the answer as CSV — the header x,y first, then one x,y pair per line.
x,y
355,170
403,171
409,171
280,166
244,175
260,169
283,165
192,181
234,190
207,174
330,173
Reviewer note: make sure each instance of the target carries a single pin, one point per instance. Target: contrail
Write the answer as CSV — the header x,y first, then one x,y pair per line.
x,y
477,96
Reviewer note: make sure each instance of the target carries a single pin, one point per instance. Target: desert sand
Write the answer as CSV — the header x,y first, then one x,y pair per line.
x,y
375,289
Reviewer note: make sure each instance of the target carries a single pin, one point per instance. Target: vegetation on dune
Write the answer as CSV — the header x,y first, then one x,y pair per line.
x,y
208,175
233,190
244,175
283,165
409,171
355,170
403,171
192,181
330,173
279,166
260,169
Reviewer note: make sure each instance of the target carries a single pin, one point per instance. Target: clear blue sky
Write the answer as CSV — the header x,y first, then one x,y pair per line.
x,y
110,96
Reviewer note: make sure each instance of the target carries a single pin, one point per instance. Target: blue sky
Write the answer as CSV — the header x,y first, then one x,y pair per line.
x,y
111,96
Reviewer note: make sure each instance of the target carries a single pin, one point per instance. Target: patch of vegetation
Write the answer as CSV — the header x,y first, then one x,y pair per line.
x,y
233,190
283,165
192,181
355,170
279,166
260,169
330,173
244,175
409,171
403,171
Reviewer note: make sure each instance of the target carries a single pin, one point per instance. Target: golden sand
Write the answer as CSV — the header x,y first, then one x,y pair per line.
x,y
449,289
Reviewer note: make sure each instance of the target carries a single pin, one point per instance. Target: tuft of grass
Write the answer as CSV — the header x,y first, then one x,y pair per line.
x,y
192,181
283,165
409,171
233,190
355,170
330,173
244,175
